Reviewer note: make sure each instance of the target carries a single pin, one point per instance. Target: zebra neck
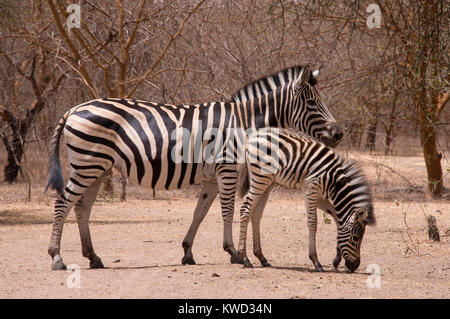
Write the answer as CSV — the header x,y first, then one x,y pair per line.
x,y
282,105
258,113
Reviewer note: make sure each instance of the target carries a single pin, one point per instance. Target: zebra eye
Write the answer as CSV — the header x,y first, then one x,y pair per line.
x,y
355,238
311,102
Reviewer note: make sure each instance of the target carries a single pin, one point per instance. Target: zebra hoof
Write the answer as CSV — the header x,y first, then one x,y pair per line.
x,y
266,264
96,263
319,269
247,263
187,261
336,263
58,264
236,259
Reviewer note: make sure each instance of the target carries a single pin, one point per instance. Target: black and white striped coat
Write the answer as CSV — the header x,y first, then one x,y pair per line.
x,y
331,183
142,139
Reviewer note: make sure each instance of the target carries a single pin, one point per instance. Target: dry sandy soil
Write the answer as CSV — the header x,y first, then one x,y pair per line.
x,y
139,242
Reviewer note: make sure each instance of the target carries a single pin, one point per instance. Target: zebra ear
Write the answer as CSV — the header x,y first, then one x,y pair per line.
x,y
304,76
360,215
315,74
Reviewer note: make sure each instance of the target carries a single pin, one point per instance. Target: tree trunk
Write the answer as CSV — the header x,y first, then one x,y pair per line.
x,y
371,134
14,150
15,145
435,185
389,128
388,139
355,129
427,98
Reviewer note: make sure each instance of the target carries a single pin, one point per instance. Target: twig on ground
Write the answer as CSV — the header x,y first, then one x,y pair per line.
x,y
410,246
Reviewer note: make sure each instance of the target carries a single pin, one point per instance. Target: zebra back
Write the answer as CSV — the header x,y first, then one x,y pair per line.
x,y
300,159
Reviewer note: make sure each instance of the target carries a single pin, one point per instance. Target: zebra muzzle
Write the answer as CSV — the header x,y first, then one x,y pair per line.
x,y
352,265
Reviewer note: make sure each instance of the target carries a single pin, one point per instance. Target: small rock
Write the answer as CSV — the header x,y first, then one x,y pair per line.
x,y
116,261
215,275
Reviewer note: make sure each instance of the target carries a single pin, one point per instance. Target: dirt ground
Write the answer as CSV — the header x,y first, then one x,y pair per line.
x,y
139,242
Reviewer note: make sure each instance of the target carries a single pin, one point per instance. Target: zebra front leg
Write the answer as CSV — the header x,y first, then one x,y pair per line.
x,y
312,227
227,203
338,258
312,194
244,218
326,206
83,212
256,221
227,181
207,196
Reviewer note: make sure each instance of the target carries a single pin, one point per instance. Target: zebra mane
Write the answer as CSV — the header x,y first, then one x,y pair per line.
x,y
356,177
269,83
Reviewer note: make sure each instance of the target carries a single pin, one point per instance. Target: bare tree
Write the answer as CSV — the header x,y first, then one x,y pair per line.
x,y
385,81
27,68
422,27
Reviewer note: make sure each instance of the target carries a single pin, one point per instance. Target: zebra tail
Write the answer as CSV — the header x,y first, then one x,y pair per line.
x,y
55,176
244,177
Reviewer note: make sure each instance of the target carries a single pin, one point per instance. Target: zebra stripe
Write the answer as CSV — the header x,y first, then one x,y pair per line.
x,y
331,183
146,140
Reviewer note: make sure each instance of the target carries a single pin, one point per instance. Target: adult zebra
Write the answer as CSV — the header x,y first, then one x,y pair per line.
x,y
279,156
143,140
312,117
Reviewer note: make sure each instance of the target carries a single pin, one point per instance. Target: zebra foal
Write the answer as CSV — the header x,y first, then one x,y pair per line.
x,y
330,183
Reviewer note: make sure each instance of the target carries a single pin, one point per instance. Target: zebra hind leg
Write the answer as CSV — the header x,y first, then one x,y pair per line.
x,y
83,211
63,205
205,200
62,208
